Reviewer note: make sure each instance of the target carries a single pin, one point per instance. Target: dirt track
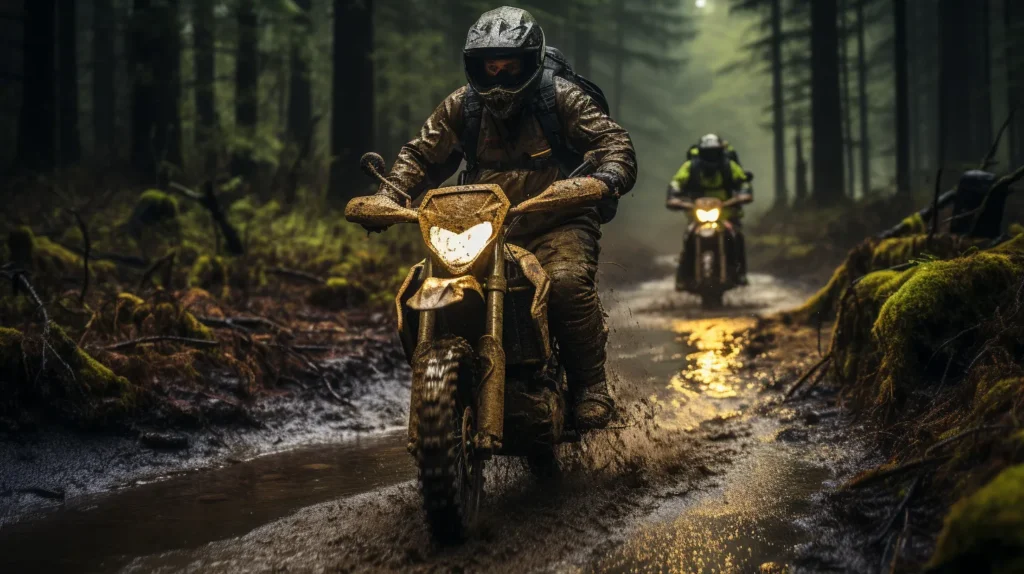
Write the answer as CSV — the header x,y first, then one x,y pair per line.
x,y
710,474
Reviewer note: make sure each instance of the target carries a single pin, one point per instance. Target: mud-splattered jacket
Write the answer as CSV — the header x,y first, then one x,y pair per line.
x,y
508,155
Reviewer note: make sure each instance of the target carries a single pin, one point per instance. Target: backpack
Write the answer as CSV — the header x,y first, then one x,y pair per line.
x,y
693,186
543,106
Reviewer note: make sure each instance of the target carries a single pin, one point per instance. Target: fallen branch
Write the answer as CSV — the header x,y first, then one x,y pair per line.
x,y
963,435
296,274
796,386
896,471
242,323
198,343
20,282
85,256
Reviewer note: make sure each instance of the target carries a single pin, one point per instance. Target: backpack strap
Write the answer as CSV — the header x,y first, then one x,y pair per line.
x,y
544,106
472,114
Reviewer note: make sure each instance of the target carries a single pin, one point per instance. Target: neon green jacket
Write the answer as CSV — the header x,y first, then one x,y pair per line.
x,y
712,185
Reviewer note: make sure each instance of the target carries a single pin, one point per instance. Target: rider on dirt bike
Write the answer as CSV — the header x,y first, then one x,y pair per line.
x,y
710,171
505,65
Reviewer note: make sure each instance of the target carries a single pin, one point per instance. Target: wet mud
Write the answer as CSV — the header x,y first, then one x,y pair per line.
x,y
707,472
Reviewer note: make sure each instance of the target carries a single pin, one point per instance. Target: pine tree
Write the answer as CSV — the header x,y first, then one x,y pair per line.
x,y
353,94
36,125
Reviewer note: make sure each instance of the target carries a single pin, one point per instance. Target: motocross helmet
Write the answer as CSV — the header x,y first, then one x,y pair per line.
x,y
711,149
504,59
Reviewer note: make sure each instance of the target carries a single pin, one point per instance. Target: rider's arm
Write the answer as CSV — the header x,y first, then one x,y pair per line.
x,y
744,191
432,157
604,142
677,185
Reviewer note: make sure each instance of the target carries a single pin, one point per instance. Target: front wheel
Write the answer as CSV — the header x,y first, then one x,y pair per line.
x,y
711,299
451,476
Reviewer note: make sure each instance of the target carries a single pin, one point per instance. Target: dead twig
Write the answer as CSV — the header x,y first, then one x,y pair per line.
x,y
20,282
165,260
884,532
799,383
989,159
935,205
198,343
296,274
208,199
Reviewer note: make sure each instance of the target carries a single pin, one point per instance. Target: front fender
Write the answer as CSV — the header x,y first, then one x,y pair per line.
x,y
438,292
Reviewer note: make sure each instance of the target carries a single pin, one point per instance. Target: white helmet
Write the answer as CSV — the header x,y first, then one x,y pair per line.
x,y
711,149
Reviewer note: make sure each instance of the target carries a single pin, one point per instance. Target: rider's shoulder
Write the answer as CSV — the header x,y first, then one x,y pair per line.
x,y
567,93
452,105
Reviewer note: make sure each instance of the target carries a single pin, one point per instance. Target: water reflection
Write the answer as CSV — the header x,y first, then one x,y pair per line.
x,y
711,367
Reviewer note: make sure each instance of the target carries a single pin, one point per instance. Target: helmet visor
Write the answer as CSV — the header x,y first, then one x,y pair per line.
x,y
712,154
507,71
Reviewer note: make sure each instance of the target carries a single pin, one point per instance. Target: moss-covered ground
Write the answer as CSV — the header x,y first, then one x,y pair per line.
x,y
168,308
928,344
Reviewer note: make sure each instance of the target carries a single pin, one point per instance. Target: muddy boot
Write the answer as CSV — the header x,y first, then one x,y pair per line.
x,y
594,408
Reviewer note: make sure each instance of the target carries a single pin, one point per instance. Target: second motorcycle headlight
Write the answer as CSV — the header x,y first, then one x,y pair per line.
x,y
458,249
709,216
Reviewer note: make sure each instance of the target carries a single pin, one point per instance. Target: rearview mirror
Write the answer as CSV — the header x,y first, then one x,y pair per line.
x,y
372,165
564,194
378,210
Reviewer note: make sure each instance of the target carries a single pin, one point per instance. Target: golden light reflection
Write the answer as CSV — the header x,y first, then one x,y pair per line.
x,y
712,366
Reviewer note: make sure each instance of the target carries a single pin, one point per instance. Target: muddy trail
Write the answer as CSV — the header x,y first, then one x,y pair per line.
x,y
708,472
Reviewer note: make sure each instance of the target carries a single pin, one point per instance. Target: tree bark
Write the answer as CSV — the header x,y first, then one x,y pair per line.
x,y
1014,12
964,84
300,95
826,109
205,84
144,47
67,84
902,101
862,104
582,39
353,94
36,124
802,188
778,107
247,75
846,100
619,62
104,92
167,131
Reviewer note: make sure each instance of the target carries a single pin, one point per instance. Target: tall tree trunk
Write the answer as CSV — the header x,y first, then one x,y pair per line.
x,y
583,48
862,104
104,92
167,130
802,188
902,102
144,47
247,75
300,98
964,90
847,101
778,107
67,84
826,110
619,62
36,123
1014,11
206,84
352,87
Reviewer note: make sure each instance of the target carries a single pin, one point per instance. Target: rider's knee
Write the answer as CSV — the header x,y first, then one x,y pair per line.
x,y
570,280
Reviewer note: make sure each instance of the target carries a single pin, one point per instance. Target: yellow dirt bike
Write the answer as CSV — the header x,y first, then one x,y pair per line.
x,y
473,321
707,267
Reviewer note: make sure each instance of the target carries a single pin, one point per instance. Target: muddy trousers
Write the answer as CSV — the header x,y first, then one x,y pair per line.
x,y
569,255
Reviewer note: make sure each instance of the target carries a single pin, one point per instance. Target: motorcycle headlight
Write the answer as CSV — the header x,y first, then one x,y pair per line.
x,y
709,216
459,249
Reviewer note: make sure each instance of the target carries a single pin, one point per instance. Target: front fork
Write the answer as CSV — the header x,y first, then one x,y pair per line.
x,y
491,399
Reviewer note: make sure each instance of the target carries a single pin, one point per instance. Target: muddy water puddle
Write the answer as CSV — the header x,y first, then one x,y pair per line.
x,y
103,532
664,350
